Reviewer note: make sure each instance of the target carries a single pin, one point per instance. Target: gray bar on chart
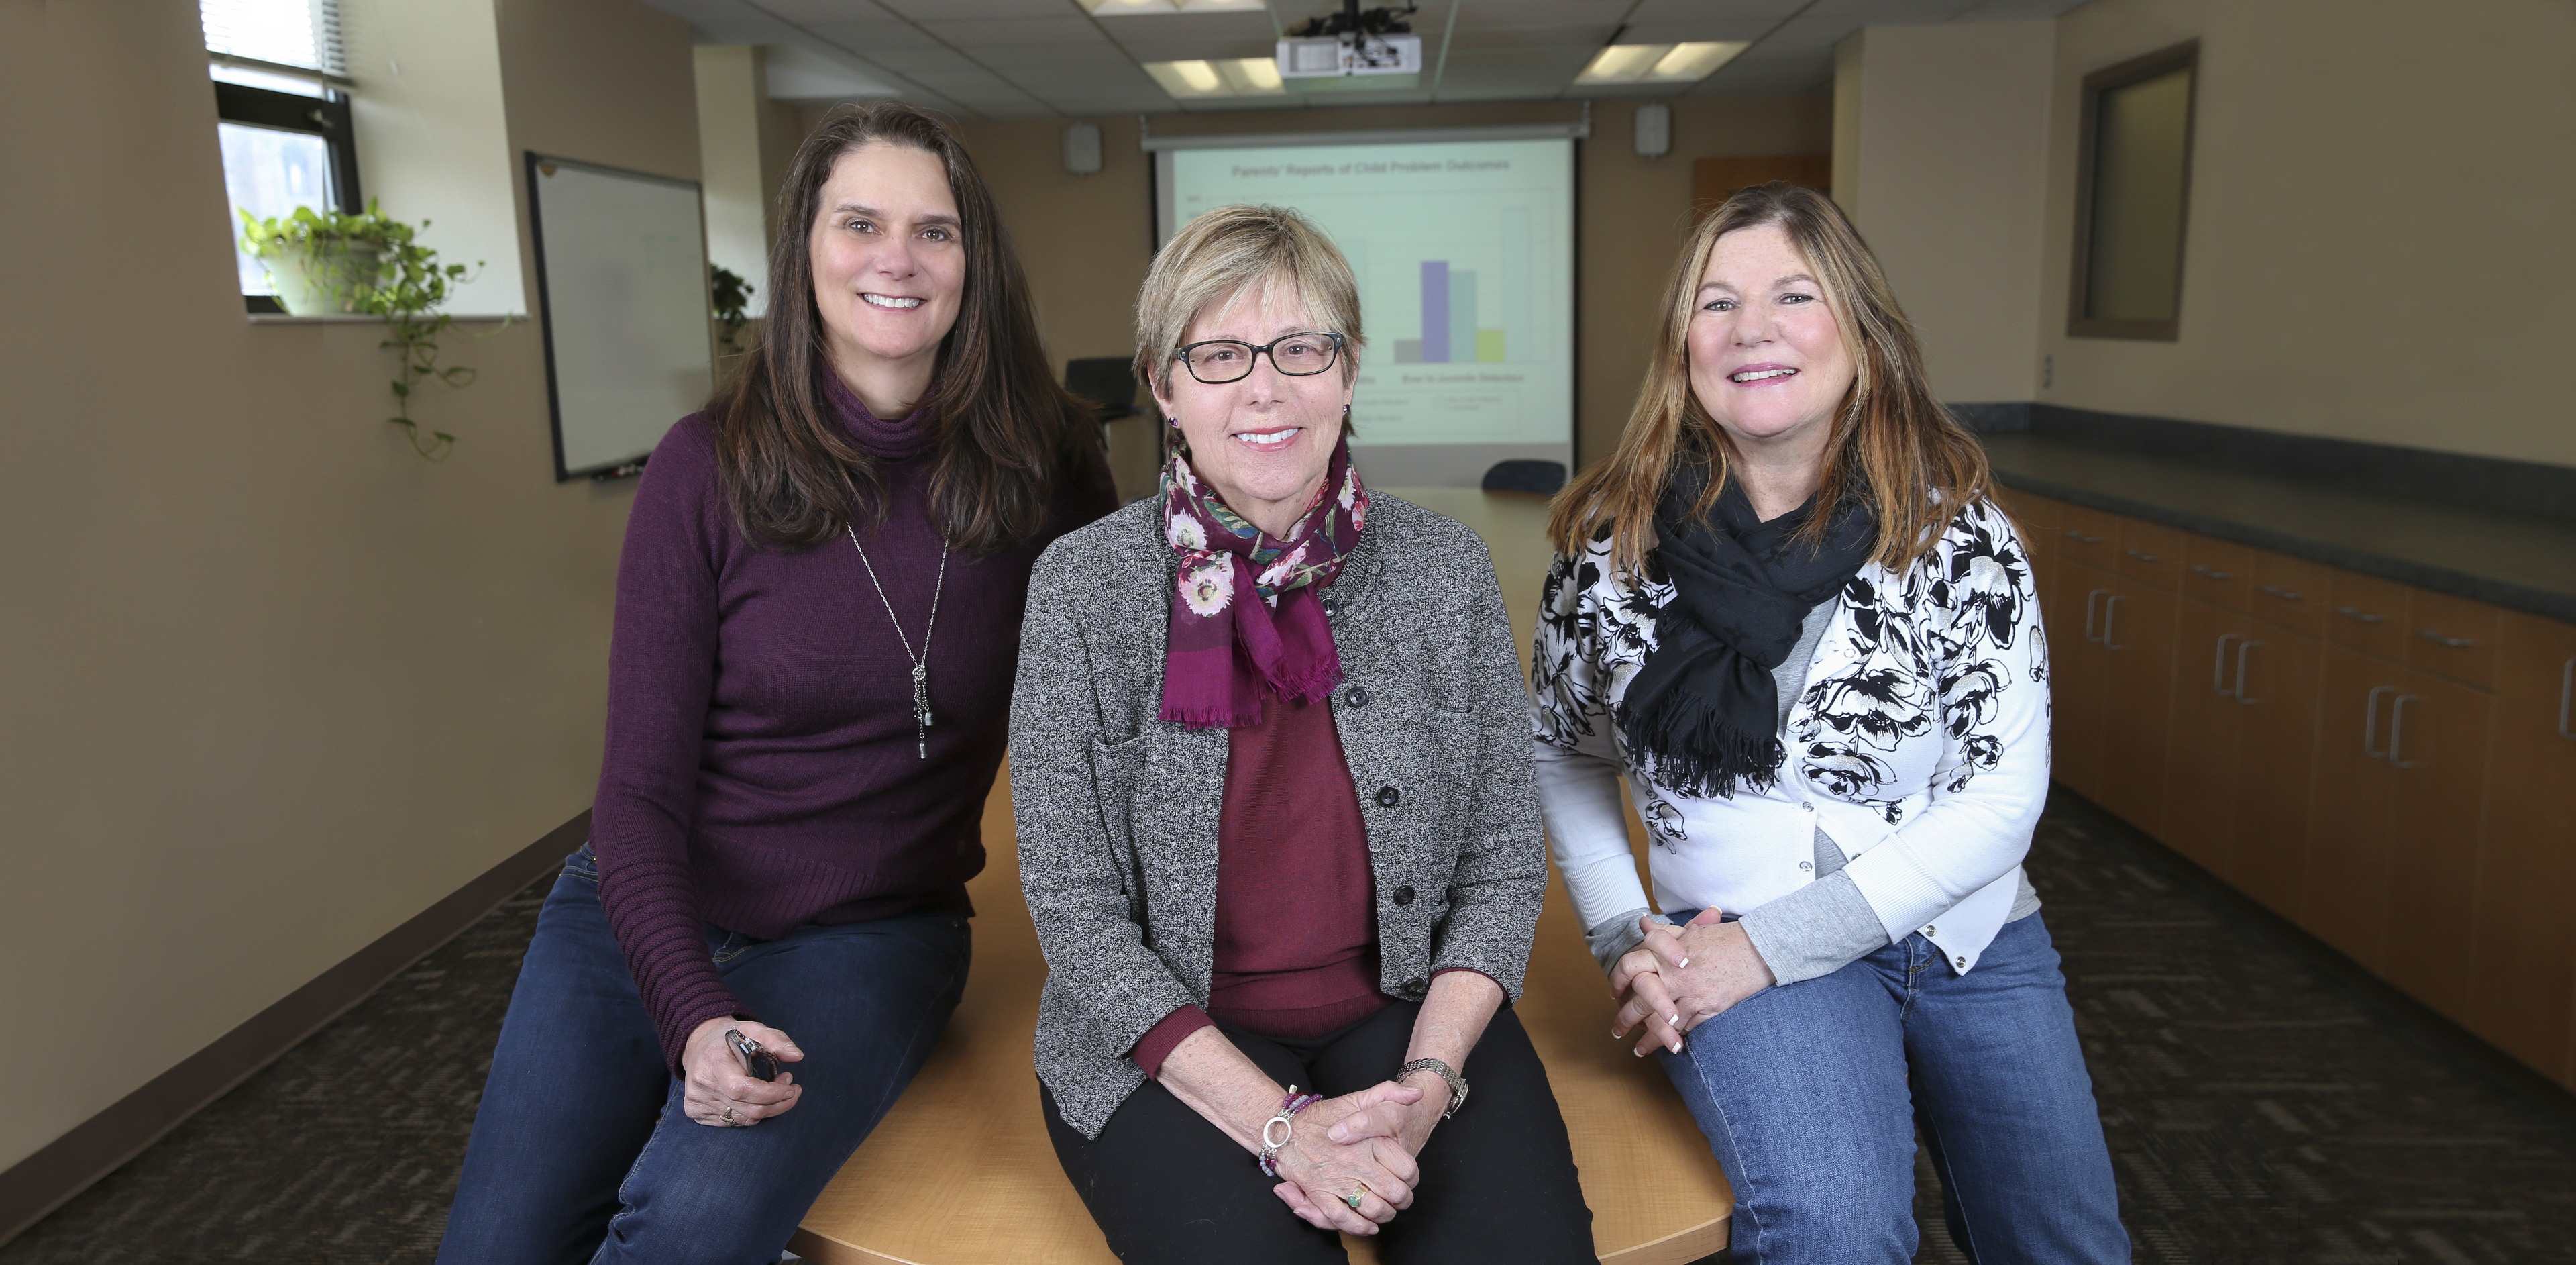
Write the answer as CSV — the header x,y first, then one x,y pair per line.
x,y
1462,318
1435,311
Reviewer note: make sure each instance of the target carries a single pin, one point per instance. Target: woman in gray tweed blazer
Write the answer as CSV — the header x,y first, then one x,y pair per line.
x,y
1270,761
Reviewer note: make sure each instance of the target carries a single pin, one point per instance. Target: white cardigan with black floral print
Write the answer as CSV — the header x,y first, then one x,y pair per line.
x,y
1919,743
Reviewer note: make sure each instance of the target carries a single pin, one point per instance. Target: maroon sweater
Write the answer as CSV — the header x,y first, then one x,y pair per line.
x,y
760,772
1296,929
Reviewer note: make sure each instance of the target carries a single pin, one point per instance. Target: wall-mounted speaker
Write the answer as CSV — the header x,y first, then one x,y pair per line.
x,y
1654,130
1082,149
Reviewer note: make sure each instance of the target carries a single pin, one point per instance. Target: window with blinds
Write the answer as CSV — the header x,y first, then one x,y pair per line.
x,y
281,92
300,33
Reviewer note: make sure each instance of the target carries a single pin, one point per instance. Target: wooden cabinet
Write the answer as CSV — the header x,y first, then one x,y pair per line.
x,y
2241,750
2137,641
2080,670
2290,593
2278,677
2391,768
2522,991
2217,572
2437,761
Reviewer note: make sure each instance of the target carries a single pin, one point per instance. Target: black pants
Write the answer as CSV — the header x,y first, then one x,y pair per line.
x,y
1498,1181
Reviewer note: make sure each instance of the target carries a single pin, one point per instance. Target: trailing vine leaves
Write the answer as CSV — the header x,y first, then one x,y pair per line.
x,y
407,286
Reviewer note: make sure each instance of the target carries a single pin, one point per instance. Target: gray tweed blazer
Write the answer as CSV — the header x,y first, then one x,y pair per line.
x,y
1118,809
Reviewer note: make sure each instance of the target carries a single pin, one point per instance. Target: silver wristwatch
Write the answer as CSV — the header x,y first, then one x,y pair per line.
x,y
1457,1083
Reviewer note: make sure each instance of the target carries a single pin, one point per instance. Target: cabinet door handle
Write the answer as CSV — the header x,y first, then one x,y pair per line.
x,y
2072,534
2211,573
2397,729
2218,670
2089,600
2456,643
2143,557
2370,721
2566,692
2358,615
2240,671
2281,593
2110,616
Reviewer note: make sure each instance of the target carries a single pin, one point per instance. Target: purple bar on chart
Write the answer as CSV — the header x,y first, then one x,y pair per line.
x,y
1435,311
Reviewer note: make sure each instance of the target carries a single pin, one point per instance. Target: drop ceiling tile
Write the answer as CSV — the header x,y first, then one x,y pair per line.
x,y
1185,30
1484,38
1008,61
915,61
969,80
1482,13
1527,73
1713,27
1183,50
882,37
809,12
1072,29
1730,10
976,10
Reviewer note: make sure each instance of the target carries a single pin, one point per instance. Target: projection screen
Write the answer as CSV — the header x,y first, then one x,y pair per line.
x,y
1464,249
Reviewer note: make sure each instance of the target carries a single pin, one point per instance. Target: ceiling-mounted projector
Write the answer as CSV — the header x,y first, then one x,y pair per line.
x,y
1373,50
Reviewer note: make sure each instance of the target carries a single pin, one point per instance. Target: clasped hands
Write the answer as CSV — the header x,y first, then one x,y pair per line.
x,y
1681,977
1358,1142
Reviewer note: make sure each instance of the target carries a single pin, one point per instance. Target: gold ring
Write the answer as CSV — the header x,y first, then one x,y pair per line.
x,y
728,1117
1353,1198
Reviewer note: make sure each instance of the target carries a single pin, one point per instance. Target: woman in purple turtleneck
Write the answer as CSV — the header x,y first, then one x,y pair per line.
x,y
818,614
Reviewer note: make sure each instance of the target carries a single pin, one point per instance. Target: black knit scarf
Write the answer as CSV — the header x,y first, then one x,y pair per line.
x,y
1704,704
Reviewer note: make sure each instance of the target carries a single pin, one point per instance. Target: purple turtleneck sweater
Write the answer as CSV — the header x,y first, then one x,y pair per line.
x,y
761,771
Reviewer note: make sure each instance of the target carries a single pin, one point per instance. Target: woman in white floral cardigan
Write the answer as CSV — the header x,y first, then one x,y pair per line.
x,y
1786,613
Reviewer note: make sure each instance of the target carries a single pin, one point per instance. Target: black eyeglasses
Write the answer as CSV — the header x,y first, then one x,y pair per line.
x,y
1221,360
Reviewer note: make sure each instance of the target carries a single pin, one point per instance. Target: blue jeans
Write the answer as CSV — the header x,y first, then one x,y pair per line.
x,y
1803,1091
580,1151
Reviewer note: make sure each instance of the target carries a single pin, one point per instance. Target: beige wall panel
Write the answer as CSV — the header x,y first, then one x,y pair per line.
x,y
1953,133
274,684
2377,245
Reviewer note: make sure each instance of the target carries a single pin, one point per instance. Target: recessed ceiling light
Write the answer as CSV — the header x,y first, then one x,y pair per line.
x,y
1659,63
1152,8
1229,77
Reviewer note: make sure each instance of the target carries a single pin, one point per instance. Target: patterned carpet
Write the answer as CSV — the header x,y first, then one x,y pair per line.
x,y
2266,1102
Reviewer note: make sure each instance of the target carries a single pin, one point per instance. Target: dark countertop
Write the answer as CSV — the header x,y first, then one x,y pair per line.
x,y
2521,561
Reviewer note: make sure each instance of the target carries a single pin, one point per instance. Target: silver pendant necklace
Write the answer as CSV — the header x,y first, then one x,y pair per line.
x,y
921,717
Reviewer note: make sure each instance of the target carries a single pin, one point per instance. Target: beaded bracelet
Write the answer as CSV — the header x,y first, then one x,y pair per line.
x,y
1288,1108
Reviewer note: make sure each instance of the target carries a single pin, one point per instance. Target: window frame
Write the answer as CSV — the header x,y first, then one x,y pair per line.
x,y
2183,57
327,116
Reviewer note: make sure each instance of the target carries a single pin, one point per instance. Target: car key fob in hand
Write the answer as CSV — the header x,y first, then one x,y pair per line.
x,y
756,1062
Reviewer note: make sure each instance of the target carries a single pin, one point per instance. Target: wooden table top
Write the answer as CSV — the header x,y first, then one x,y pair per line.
x,y
961,1171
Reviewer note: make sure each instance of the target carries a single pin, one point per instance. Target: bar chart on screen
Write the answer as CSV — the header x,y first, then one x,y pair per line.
x,y
1464,257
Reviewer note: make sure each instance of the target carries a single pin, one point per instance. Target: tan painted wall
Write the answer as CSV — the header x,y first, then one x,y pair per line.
x,y
2379,244
273,684
1948,149
1086,240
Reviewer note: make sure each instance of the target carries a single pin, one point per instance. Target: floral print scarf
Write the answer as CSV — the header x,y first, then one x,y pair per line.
x,y
1226,649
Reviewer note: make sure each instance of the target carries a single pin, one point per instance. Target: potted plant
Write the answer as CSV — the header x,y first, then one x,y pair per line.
x,y
328,262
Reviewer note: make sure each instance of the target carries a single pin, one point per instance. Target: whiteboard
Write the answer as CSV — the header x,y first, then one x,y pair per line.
x,y
622,283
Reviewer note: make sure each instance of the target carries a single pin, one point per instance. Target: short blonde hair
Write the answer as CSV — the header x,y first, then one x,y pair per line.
x,y
1232,247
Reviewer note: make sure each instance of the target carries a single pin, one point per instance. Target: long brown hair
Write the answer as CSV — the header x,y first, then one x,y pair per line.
x,y
1007,429
1893,443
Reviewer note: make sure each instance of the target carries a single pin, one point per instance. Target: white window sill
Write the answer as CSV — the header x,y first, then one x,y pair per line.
x,y
286,318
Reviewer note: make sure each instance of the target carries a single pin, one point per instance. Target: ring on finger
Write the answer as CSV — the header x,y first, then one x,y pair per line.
x,y
1353,1198
728,1118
